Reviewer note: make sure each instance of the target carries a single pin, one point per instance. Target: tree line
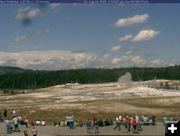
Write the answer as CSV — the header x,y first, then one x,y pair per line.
x,y
40,79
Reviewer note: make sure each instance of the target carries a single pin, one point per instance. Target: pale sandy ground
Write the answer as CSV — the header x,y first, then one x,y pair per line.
x,y
111,97
95,97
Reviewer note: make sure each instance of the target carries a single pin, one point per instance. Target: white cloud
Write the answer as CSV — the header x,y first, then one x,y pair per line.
x,y
115,48
125,38
159,62
46,59
79,57
128,59
107,55
20,38
129,52
116,61
42,32
156,61
28,13
137,59
137,19
145,35
54,60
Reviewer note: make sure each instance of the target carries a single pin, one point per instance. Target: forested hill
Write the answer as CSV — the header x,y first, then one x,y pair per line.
x,y
27,79
8,69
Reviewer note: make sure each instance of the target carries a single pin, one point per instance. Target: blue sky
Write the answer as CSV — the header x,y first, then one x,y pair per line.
x,y
64,36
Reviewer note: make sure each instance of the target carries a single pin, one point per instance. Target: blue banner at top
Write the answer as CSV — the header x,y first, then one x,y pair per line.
x,y
114,1
90,1
164,1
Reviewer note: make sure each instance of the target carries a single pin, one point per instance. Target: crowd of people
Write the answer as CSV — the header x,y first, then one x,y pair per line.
x,y
171,118
128,123
14,121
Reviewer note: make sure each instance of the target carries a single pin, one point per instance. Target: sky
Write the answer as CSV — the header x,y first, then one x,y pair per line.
x,y
70,36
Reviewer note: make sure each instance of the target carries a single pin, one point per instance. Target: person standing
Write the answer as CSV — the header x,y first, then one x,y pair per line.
x,y
117,124
14,113
43,123
34,132
26,122
16,123
134,123
94,120
8,126
88,125
5,114
70,121
96,126
128,121
174,117
137,118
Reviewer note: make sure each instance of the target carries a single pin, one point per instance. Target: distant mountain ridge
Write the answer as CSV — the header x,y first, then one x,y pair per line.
x,y
9,69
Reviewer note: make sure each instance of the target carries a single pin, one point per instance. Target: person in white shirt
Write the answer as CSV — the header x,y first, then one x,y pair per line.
x,y
117,123
38,123
16,123
43,123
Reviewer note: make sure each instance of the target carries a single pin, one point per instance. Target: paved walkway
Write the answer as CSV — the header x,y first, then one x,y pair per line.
x,y
157,130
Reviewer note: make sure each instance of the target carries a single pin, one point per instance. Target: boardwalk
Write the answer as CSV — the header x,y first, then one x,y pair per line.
x,y
157,130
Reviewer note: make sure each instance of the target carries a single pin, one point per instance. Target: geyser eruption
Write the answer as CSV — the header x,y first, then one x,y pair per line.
x,y
126,79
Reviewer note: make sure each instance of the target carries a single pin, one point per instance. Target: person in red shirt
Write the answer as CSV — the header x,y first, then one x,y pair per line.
x,y
135,124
